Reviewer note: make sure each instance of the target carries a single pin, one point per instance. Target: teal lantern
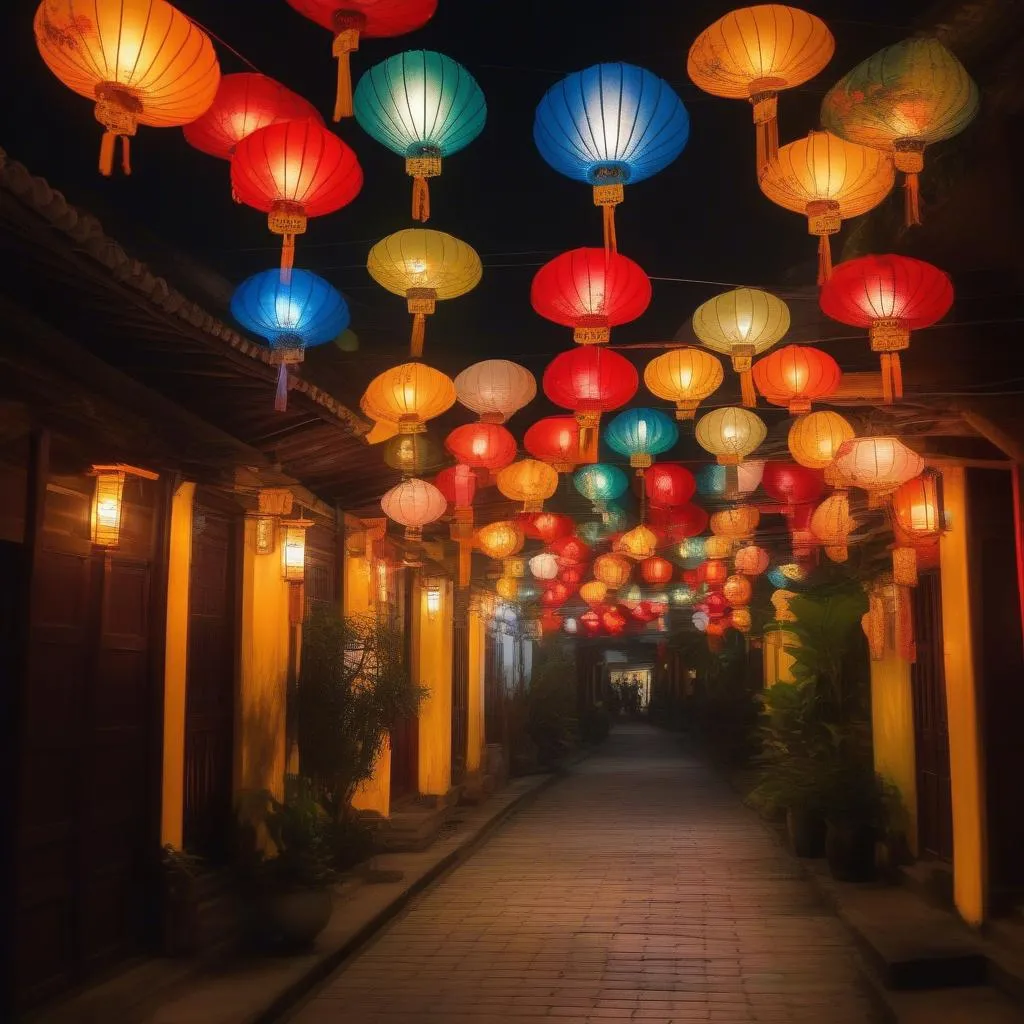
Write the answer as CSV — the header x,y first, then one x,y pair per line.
x,y
424,106
600,483
693,551
641,434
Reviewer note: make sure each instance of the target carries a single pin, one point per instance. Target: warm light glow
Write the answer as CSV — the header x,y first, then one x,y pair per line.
x,y
815,438
265,535
433,598
106,509
293,549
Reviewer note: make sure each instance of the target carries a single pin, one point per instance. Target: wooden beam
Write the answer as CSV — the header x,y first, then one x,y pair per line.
x,y
1012,448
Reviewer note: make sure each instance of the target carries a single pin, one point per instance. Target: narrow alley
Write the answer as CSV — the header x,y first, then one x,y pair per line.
x,y
638,888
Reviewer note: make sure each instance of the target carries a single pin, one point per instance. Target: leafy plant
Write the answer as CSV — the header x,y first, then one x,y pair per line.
x,y
551,704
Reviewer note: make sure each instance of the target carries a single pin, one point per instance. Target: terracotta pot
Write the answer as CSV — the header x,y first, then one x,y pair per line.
x,y
850,850
806,832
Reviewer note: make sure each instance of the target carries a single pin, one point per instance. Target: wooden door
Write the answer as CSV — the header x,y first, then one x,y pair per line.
x,y
931,727
460,690
210,678
405,735
322,575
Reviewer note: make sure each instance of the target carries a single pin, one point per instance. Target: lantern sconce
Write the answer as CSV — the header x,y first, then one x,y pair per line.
x,y
433,598
293,565
266,535
381,574
107,502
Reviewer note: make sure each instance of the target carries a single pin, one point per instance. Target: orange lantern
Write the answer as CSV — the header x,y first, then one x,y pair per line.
x,y
530,481
714,573
917,517
741,620
408,395
831,524
751,560
142,61
815,438
736,522
501,541
594,591
656,570
717,546
507,588
795,376
829,181
612,570
639,543
877,465
685,376
737,591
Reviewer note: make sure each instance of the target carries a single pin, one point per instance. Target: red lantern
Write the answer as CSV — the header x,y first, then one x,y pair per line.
x,y
590,623
714,573
792,485
245,103
590,381
571,576
482,445
556,441
656,570
458,485
613,620
546,526
292,171
570,551
716,604
668,484
687,520
890,296
556,594
550,621
795,376
590,290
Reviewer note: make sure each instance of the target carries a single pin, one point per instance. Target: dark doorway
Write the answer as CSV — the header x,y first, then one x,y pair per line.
x,y
494,688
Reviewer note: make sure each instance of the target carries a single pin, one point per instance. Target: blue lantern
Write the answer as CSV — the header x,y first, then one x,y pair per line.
x,y
611,125
641,434
715,480
600,483
693,551
790,576
424,106
290,315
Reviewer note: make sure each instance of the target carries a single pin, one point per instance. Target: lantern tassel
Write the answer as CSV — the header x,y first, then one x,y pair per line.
x,y
420,199
749,395
824,259
611,243
419,333
281,396
767,143
911,199
588,444
287,258
892,377
344,43
126,156
107,144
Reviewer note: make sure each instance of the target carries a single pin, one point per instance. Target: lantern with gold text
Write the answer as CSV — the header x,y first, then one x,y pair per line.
x,y
669,485
482,445
408,395
684,376
815,437
413,504
613,571
730,433
141,61
530,481
795,376
877,465
495,389
556,441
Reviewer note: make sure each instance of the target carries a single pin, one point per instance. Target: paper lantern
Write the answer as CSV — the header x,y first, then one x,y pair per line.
x,y
590,380
714,572
701,621
737,591
362,19
793,487
571,576
681,596
408,395
613,621
901,100
780,602
656,570
141,61
591,291
570,551
668,485
544,566
610,125
631,597
730,434
482,445
717,547
795,376
500,540
684,376
423,266
788,575
640,434
751,560
916,508
639,543
594,592
423,106
458,485
741,324
291,315
753,54
730,482
600,483
551,621
413,503
831,523
546,526
815,437
530,481
692,551
413,454
495,389
590,623
571,626
890,296
741,620
828,180
680,521
554,440
736,522
612,570
555,595
507,588
878,465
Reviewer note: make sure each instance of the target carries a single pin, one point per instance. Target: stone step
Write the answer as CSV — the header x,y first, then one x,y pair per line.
x,y
979,1005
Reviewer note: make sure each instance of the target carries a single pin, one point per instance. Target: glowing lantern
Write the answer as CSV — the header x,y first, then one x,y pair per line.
x,y
901,100
751,560
413,503
482,445
529,481
594,592
458,485
570,551
546,526
788,575
600,483
716,604
590,380
544,566
815,438
424,107
792,485
244,103
613,621
753,54
507,588
423,265
612,570
829,181
556,595
631,597
590,623
741,324
681,595
718,547
917,518
571,576
495,389
571,626
657,571
610,125
714,573
693,551
730,434
292,315
728,482
591,291
554,440
641,434
685,376
668,485
679,522
796,375
550,621
890,296
408,395
741,620
737,591
736,522
293,549
107,506
141,61
701,621
639,543
831,523
413,454
500,540
362,19
878,465
292,171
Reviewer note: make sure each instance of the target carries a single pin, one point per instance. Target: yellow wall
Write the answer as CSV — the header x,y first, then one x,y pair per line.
x,y
778,662
176,666
965,761
476,737
260,708
892,722
432,644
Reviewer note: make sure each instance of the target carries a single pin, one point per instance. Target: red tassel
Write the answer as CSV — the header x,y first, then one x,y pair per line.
x,y
611,243
911,199
420,200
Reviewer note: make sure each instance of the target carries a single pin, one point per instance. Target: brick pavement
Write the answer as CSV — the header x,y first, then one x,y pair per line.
x,y
637,889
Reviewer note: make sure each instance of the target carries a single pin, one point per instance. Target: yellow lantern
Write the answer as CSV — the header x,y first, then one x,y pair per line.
x,y
754,53
106,506
737,591
408,395
612,570
730,434
735,523
815,437
530,481
741,324
639,543
424,265
716,547
832,523
827,180
593,592
507,588
741,620
685,376
500,540
293,549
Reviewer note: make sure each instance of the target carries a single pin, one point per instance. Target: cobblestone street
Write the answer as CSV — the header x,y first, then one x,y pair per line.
x,y
636,889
